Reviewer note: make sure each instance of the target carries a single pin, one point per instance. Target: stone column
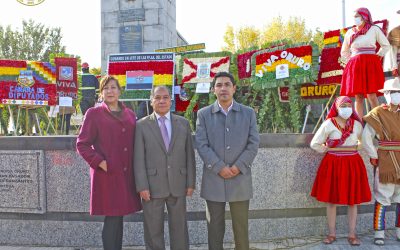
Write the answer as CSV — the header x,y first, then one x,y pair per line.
x,y
158,25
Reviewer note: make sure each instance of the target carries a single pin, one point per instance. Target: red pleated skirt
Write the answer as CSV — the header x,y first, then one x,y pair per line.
x,y
341,180
363,74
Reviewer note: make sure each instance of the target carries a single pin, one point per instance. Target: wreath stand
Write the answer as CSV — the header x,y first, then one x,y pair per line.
x,y
27,127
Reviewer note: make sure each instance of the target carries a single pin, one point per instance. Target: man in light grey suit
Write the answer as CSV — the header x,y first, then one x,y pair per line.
x,y
227,141
164,166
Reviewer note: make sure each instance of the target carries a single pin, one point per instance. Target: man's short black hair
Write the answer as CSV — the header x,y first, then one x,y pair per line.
x,y
223,74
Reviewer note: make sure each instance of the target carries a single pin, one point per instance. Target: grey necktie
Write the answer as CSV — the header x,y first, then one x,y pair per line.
x,y
164,131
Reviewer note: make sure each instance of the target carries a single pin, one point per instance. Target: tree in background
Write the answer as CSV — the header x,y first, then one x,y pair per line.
x,y
293,29
248,37
229,39
95,71
35,42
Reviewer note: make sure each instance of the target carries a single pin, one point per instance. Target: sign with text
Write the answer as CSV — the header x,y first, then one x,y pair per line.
x,y
203,87
65,101
130,15
66,77
310,91
130,39
282,71
181,49
283,94
22,182
11,93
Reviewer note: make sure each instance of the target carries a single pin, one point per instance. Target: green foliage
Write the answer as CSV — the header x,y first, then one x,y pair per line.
x,y
295,105
4,116
35,42
95,71
246,37
189,111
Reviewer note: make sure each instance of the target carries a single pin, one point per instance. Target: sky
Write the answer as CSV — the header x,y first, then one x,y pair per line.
x,y
202,21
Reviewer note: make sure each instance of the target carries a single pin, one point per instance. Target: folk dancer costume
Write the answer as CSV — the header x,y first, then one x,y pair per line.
x,y
383,122
394,40
363,73
341,177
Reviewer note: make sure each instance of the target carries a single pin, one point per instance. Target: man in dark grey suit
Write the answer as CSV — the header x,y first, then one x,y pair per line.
x,y
227,141
164,165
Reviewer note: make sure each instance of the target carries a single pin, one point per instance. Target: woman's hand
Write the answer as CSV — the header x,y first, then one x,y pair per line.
x,y
324,148
145,195
103,165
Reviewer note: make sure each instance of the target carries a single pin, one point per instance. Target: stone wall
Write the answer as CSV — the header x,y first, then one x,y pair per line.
x,y
283,173
157,19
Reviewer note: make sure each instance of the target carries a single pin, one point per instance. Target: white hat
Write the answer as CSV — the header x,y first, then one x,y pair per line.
x,y
392,84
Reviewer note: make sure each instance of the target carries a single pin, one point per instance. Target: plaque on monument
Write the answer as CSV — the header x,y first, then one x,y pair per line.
x,y
130,38
22,182
130,15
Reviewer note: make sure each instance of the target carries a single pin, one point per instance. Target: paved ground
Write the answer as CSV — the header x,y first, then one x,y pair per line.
x,y
313,243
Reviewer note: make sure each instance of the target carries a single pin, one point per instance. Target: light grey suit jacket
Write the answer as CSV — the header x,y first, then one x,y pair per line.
x,y
226,141
164,171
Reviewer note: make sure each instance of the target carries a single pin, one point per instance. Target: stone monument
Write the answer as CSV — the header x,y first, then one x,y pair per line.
x,y
130,26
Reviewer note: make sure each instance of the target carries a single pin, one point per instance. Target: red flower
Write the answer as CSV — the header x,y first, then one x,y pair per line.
x,y
159,67
13,63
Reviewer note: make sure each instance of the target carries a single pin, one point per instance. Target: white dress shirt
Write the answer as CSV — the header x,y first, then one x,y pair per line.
x,y
223,110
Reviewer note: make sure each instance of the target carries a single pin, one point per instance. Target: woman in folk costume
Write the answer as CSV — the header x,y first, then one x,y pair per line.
x,y
363,74
383,123
341,178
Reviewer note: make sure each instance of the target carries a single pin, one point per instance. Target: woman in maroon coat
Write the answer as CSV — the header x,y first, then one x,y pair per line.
x,y
106,143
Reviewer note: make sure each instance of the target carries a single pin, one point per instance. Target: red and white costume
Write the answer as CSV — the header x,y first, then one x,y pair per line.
x,y
363,73
342,177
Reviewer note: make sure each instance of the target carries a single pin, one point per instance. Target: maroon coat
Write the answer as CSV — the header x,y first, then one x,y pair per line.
x,y
104,136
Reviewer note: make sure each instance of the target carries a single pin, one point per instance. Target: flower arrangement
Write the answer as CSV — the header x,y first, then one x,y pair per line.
x,y
244,64
43,72
302,61
188,78
163,73
331,69
9,69
189,66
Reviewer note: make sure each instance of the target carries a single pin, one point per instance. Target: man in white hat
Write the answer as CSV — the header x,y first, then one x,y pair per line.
x,y
383,123
394,40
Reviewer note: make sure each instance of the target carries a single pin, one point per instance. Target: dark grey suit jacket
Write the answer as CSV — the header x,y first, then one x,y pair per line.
x,y
164,171
226,141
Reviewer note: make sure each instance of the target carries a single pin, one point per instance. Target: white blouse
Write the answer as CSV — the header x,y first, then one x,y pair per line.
x,y
373,35
368,136
329,130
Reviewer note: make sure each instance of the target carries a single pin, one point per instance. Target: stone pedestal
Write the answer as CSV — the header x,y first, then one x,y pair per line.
x,y
22,182
136,26
58,183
